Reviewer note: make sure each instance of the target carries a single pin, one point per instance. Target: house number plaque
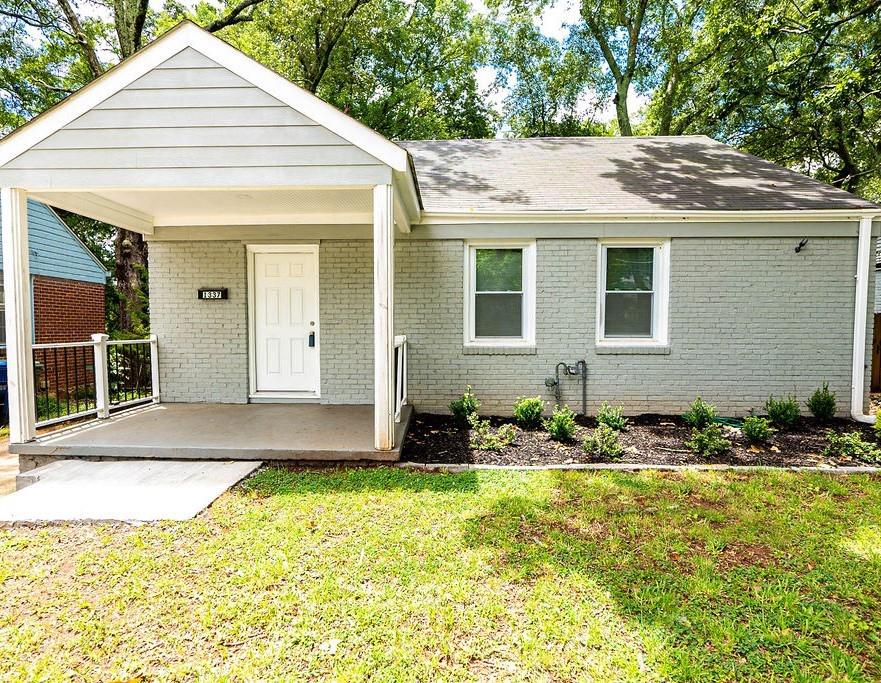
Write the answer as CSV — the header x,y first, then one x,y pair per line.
x,y
212,294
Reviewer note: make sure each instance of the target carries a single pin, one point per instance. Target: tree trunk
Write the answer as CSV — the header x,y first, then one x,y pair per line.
x,y
621,111
131,263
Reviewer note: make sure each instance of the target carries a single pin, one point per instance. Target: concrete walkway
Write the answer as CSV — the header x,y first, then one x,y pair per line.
x,y
127,490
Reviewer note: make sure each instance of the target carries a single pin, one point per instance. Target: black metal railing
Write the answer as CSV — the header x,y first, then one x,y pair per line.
x,y
64,381
129,371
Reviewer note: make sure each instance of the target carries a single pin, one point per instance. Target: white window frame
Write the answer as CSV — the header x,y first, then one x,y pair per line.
x,y
660,298
527,324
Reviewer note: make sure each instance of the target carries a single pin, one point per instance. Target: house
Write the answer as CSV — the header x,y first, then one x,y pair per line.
x,y
67,281
67,290
310,280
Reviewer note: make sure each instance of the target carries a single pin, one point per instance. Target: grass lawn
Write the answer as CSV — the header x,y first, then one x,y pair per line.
x,y
396,576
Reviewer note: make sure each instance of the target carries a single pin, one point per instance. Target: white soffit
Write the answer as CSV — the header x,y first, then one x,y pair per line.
x,y
248,206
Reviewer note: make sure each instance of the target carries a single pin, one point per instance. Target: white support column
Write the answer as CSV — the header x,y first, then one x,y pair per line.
x,y
102,378
383,317
19,327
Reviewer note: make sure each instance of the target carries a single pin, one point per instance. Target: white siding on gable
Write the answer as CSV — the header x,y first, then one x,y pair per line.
x,y
192,123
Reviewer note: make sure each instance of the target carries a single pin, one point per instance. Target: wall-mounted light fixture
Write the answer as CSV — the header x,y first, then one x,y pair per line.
x,y
801,245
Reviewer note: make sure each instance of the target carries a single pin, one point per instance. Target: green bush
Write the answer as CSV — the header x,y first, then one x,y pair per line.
x,y
484,438
612,417
878,425
782,412
851,445
604,441
561,424
708,441
528,411
822,403
700,413
466,406
757,429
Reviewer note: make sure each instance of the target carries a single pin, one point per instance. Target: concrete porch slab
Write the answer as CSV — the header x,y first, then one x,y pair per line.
x,y
126,491
203,431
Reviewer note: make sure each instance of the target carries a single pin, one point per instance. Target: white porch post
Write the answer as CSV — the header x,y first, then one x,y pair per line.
x,y
19,330
383,317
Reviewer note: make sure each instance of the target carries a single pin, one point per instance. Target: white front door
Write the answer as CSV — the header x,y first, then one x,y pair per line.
x,y
286,322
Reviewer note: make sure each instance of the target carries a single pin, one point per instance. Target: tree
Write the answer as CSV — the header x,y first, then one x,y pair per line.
x,y
404,68
798,83
545,83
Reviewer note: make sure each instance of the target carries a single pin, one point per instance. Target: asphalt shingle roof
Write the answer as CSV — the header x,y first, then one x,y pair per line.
x,y
610,174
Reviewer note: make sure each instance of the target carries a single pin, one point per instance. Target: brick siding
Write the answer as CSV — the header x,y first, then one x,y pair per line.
x,y
748,317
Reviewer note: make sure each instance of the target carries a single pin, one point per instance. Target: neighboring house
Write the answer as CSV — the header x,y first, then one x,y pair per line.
x,y
67,290
673,266
67,281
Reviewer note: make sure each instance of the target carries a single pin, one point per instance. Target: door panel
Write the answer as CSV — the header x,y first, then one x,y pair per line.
x,y
286,312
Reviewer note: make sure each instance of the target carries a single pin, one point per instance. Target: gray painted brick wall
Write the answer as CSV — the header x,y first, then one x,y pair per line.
x,y
203,345
346,305
748,317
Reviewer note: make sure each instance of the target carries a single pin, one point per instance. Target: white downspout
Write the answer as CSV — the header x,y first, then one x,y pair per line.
x,y
858,380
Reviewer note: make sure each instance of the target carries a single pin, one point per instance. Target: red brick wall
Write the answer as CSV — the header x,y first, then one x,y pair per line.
x,y
67,310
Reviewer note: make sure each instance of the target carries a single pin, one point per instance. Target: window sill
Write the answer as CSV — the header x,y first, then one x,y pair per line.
x,y
633,349
500,350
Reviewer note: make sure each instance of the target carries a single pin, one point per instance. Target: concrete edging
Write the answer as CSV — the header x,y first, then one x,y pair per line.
x,y
636,467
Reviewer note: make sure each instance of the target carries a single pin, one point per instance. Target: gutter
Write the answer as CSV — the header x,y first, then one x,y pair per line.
x,y
858,378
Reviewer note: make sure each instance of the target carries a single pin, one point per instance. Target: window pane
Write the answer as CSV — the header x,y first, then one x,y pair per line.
x,y
629,268
498,315
499,270
629,315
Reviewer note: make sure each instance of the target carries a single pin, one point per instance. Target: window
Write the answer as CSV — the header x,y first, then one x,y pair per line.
x,y
499,301
632,301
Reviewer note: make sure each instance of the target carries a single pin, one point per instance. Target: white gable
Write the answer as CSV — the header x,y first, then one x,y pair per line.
x,y
201,114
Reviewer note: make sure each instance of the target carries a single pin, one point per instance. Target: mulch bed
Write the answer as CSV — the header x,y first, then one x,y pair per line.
x,y
648,439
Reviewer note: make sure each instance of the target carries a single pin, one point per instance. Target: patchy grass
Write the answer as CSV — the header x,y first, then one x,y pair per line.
x,y
390,575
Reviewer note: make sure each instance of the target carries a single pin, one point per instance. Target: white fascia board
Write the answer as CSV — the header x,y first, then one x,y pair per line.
x,y
352,218
449,218
187,34
99,208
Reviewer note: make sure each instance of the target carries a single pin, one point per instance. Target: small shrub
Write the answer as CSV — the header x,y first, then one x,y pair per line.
x,y
700,413
466,406
604,441
822,403
528,411
612,417
851,445
561,424
485,438
757,429
708,441
878,425
782,412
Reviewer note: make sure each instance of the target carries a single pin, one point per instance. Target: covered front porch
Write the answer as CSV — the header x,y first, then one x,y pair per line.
x,y
221,432
257,200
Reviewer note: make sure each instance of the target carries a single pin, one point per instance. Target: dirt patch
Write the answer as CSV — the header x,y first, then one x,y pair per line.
x,y
649,439
745,555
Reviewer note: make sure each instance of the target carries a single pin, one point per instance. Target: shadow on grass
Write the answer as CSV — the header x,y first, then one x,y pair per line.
x,y
276,481
738,588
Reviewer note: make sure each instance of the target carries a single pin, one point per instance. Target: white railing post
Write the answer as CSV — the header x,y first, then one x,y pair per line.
x,y
102,380
19,338
400,374
154,366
